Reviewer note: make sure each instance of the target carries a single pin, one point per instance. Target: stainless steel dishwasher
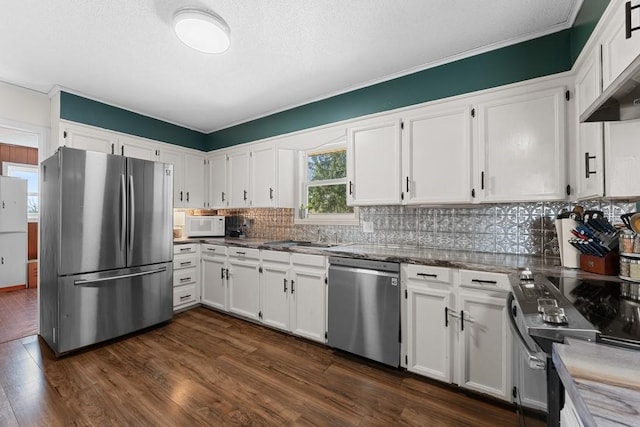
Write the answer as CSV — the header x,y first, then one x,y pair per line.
x,y
364,308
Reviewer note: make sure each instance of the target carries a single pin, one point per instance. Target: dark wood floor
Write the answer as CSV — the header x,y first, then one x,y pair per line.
x,y
206,368
18,314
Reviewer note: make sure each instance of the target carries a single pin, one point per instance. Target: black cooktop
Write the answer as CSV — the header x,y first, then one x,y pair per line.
x,y
608,305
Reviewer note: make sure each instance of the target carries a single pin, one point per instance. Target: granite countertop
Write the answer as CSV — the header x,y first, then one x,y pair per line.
x,y
603,381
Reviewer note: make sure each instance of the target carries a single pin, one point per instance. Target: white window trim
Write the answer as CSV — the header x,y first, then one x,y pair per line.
x,y
5,171
303,184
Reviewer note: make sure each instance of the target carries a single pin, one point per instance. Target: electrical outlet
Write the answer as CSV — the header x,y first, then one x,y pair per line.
x,y
367,226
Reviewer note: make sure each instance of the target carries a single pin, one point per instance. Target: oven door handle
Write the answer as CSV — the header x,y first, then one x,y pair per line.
x,y
535,362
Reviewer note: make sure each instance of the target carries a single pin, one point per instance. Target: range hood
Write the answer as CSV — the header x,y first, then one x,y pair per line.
x,y
621,100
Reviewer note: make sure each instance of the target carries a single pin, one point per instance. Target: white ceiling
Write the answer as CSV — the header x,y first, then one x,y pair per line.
x,y
283,53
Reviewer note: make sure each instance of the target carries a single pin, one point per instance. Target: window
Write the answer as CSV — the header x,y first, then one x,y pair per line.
x,y
30,173
324,198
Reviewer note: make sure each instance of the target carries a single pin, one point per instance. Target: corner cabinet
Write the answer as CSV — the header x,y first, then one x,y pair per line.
x,y
521,143
436,151
373,162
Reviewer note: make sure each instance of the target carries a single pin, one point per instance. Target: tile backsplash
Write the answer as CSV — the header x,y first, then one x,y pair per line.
x,y
517,228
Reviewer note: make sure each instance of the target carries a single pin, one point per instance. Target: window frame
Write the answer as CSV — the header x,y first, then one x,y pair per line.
x,y
304,184
6,166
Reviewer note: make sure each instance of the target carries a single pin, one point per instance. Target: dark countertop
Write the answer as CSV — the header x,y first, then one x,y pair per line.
x,y
602,381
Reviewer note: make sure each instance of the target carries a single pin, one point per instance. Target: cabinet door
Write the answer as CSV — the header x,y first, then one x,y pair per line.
x,y
589,165
521,147
214,282
13,259
617,50
275,291
244,288
218,196
622,157
194,181
430,330
485,345
91,140
436,154
238,179
309,303
263,177
176,158
139,149
373,163
13,205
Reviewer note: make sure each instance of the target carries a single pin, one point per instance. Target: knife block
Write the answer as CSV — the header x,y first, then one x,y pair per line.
x,y
607,265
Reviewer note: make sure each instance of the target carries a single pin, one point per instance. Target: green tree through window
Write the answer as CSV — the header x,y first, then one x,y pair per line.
x,y
327,186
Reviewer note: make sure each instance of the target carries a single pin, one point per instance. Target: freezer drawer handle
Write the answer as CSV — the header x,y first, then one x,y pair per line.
x,y
124,276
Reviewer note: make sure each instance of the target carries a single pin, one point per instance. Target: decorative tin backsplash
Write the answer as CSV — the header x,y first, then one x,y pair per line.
x,y
518,228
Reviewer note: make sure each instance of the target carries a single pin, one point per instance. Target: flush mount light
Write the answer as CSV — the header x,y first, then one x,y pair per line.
x,y
201,30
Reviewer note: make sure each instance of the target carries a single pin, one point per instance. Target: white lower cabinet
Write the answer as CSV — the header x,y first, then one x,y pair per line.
x,y
186,275
458,330
276,289
309,296
569,415
214,276
244,282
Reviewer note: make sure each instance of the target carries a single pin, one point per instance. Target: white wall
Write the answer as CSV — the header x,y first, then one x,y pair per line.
x,y
24,106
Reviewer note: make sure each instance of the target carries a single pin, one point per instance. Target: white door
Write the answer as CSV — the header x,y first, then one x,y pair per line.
x,y
214,282
13,204
437,158
218,195
622,157
90,139
262,169
430,331
309,303
13,259
238,179
617,50
589,161
139,149
176,158
275,296
194,178
373,163
244,288
521,147
485,345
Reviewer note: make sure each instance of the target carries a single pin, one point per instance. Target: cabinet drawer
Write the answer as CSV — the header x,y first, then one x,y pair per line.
x,y
185,276
185,261
243,252
429,274
484,280
275,256
185,295
309,260
188,248
213,250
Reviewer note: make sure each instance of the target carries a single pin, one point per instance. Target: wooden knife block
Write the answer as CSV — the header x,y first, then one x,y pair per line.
x,y
608,265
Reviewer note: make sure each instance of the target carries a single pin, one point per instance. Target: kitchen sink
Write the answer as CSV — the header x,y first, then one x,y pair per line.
x,y
302,243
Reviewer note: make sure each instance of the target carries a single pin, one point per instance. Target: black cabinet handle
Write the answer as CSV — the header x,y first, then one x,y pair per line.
x,y
227,273
491,282
187,196
181,196
185,279
122,150
462,320
222,273
223,196
245,194
588,172
185,297
446,317
482,180
627,19
407,184
292,287
113,148
240,253
285,286
435,276
350,188
270,193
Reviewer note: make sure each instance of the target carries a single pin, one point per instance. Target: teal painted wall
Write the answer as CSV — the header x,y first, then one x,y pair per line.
x,y
90,112
584,24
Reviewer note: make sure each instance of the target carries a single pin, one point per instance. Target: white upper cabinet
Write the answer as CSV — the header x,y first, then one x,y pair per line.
x,y
194,179
521,147
238,179
622,159
176,158
262,172
218,193
589,162
618,51
373,162
139,149
89,139
436,150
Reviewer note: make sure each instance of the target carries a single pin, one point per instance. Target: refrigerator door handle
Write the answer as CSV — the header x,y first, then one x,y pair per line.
x,y
123,276
132,221
123,211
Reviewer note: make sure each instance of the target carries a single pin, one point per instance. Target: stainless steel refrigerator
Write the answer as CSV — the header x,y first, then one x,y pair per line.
x,y
106,238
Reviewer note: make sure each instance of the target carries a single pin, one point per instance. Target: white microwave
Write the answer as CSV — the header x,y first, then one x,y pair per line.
x,y
204,226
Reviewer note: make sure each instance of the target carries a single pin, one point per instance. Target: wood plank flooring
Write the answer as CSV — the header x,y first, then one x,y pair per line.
x,y
18,314
206,368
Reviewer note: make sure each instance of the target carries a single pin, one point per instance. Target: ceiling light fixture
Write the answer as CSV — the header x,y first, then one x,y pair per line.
x,y
201,30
